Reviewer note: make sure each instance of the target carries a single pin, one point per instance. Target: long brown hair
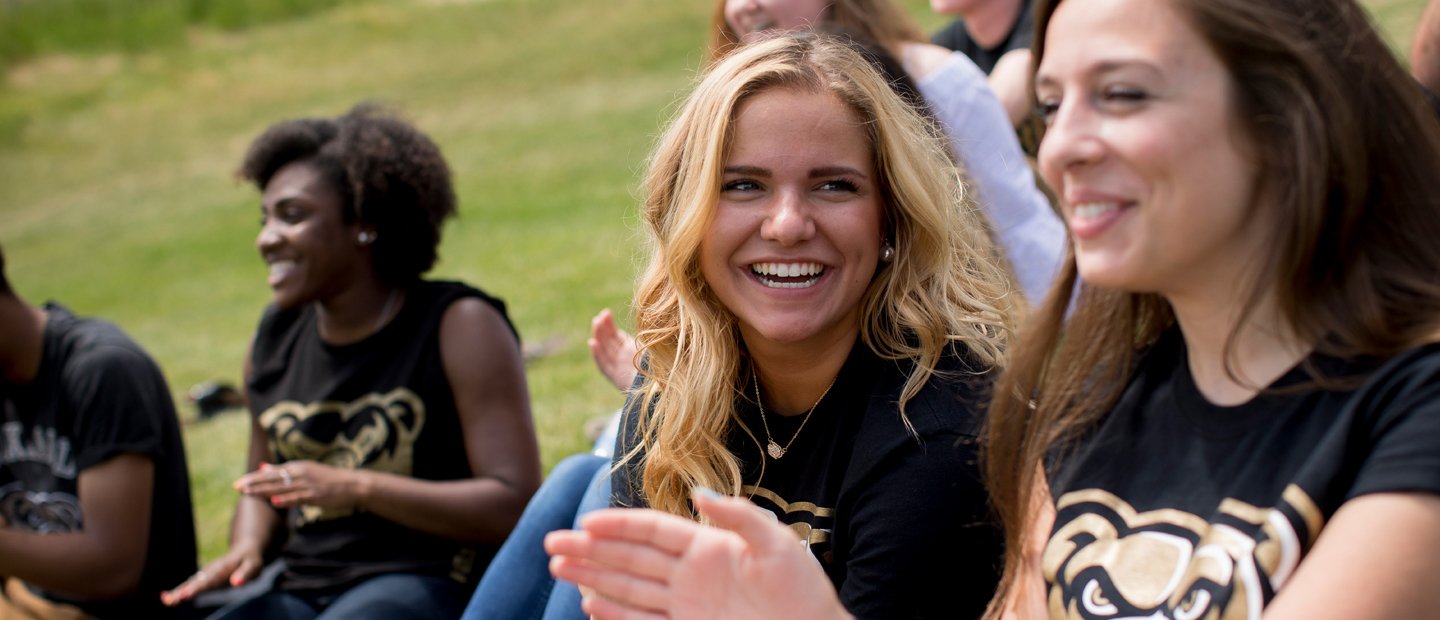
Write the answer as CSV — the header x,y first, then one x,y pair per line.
x,y
883,22
1348,154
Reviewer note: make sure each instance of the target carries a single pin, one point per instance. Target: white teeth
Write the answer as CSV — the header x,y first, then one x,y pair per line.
x,y
1092,210
787,270
281,267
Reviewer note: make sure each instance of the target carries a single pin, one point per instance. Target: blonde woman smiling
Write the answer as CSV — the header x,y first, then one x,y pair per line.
x,y
820,321
1237,416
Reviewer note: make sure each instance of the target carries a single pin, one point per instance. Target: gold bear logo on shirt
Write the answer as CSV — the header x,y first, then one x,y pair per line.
x,y
1110,561
375,431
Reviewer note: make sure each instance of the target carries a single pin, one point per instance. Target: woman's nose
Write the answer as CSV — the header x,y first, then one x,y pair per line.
x,y
789,221
1071,139
267,238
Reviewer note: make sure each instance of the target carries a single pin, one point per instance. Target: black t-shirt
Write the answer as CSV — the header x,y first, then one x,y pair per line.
x,y
96,395
955,37
899,521
383,403
1176,507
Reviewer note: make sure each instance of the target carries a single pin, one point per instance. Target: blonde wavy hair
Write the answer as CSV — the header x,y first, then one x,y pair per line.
x,y
943,286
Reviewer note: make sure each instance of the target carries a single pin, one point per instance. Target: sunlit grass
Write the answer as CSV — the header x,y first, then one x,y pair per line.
x,y
116,194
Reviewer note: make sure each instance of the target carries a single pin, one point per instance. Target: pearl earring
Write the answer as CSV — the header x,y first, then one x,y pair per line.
x,y
887,252
365,237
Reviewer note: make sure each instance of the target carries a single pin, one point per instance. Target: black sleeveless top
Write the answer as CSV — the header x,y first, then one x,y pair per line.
x,y
382,403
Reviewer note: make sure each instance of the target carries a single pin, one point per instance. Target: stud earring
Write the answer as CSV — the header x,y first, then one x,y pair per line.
x,y
365,237
887,252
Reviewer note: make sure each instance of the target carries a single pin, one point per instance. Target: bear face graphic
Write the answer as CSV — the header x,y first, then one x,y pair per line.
x,y
1106,560
375,431
39,511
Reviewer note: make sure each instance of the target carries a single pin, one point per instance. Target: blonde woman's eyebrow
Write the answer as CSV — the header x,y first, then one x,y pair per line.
x,y
750,171
837,171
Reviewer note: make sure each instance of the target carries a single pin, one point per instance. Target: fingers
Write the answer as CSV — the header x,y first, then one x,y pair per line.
x,y
625,589
601,608
268,481
613,350
248,568
666,532
290,499
602,326
204,579
602,336
757,527
640,559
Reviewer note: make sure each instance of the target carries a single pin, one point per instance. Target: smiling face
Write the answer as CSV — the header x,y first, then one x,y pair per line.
x,y
795,238
312,253
750,19
1157,182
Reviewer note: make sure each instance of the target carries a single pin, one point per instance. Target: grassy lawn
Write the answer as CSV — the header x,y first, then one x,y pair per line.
x,y
116,195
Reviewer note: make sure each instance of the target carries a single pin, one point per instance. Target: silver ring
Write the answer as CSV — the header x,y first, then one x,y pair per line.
x,y
285,477
200,575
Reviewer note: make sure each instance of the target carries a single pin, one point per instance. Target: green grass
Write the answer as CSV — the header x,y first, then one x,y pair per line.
x,y
35,27
116,194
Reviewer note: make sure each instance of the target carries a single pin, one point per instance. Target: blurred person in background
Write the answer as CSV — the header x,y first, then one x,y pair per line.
x,y
1425,53
996,34
94,491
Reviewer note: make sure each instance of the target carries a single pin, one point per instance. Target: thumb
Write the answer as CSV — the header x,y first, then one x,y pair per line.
x,y
756,526
244,572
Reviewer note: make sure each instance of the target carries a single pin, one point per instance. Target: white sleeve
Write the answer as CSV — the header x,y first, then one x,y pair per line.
x,y
1027,229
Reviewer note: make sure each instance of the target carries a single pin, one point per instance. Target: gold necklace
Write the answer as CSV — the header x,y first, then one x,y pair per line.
x,y
771,447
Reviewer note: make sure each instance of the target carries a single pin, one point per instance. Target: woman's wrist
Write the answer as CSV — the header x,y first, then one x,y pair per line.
x,y
362,487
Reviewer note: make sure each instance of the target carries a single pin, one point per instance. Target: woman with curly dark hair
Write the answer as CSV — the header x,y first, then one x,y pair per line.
x,y
392,437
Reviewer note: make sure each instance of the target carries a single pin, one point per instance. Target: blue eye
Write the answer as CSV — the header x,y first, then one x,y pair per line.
x,y
740,185
839,185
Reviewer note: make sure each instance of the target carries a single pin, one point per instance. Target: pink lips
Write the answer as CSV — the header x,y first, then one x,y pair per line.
x,y
1091,226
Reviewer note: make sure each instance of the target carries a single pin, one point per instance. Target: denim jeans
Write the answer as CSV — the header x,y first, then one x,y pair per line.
x,y
518,585
396,595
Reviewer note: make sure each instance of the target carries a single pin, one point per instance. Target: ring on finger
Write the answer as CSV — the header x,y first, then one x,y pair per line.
x,y
285,478
201,576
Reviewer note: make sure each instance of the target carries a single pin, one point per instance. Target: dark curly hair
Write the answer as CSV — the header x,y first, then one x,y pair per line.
x,y
389,175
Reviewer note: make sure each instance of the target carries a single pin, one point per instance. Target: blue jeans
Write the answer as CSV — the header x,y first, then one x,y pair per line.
x,y
396,595
518,585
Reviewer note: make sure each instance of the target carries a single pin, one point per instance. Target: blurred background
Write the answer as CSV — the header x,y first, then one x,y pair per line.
x,y
123,121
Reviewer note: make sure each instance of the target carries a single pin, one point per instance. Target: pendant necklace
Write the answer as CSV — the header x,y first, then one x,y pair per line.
x,y
771,446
